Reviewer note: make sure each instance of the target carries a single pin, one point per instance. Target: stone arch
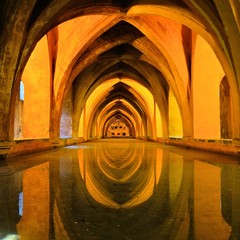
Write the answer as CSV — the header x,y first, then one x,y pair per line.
x,y
121,121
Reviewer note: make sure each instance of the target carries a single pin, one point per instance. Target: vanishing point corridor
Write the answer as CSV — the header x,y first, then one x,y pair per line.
x,y
120,189
120,120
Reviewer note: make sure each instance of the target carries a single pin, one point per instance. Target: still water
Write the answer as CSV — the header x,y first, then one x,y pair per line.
x,y
120,189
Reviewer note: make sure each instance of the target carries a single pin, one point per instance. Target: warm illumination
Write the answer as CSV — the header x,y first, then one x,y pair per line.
x,y
158,69
36,80
206,83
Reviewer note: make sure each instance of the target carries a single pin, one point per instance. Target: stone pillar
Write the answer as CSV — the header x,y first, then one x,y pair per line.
x,y
5,146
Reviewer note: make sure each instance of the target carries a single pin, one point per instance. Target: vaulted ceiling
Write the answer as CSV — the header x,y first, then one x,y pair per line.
x,y
92,42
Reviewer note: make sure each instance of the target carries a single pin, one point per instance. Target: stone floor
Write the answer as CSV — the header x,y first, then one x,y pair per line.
x,y
120,189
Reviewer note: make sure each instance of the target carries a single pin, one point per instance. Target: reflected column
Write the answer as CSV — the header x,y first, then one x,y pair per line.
x,y
34,223
9,203
235,234
208,216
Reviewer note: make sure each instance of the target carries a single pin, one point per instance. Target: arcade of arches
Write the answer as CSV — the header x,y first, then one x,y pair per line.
x,y
165,71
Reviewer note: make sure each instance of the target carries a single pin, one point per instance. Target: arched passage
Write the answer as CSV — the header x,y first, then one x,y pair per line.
x,y
118,126
159,45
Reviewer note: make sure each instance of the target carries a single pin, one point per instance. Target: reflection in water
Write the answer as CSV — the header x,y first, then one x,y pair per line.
x,y
119,175
120,189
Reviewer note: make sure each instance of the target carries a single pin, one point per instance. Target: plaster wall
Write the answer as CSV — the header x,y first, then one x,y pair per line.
x,y
175,120
206,76
66,118
81,126
159,131
18,119
36,79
